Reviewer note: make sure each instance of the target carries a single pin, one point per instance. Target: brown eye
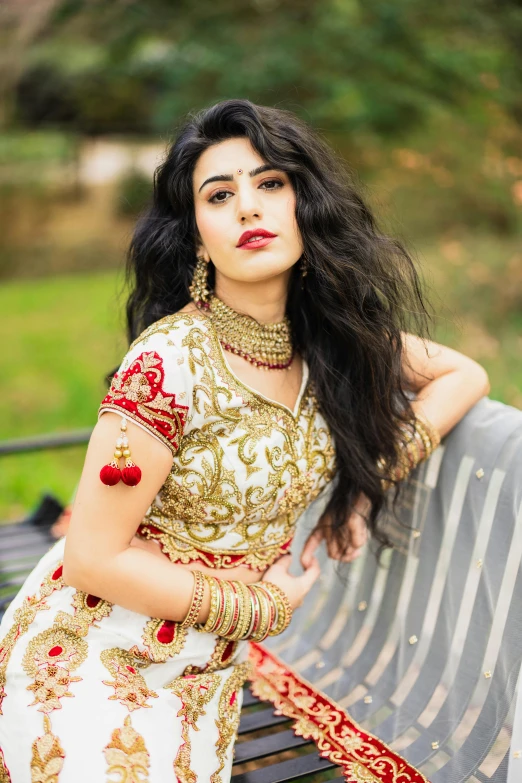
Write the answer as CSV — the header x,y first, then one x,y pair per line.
x,y
273,182
219,197
215,200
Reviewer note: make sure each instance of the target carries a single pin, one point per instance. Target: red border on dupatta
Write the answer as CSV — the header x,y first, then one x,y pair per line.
x,y
363,757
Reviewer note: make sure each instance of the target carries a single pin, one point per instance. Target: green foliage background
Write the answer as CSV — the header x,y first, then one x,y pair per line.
x,y
423,99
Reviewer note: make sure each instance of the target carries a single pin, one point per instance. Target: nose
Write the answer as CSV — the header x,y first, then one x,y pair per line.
x,y
248,202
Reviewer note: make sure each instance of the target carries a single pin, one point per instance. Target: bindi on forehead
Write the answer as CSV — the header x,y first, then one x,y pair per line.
x,y
230,177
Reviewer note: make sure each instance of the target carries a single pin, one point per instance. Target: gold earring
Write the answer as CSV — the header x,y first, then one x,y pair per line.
x,y
304,266
199,286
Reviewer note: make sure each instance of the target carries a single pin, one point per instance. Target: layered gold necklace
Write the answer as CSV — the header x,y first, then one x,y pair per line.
x,y
264,345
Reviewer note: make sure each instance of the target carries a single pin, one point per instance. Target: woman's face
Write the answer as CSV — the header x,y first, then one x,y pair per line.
x,y
240,202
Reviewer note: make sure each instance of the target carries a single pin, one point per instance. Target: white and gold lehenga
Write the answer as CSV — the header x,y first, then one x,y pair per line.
x,y
408,671
91,691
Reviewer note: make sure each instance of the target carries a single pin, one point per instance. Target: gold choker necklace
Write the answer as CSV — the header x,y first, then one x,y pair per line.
x,y
265,345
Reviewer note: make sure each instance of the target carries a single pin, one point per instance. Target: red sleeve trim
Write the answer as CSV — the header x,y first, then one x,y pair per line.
x,y
138,392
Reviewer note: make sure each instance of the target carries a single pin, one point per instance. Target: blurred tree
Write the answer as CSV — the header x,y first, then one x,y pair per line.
x,y
376,67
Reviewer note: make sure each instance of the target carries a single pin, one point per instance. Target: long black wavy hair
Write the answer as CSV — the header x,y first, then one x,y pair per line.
x,y
361,291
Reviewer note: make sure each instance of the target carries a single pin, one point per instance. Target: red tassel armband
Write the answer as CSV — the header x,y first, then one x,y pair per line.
x,y
130,474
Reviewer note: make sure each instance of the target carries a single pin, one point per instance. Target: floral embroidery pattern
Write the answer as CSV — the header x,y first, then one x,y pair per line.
x,y
363,757
127,756
130,688
50,658
22,619
163,639
47,756
54,654
228,715
195,691
138,392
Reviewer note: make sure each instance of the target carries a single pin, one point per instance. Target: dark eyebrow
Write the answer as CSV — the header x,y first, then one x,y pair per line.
x,y
229,177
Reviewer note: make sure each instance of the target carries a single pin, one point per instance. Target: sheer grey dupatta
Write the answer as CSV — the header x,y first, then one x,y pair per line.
x,y
424,651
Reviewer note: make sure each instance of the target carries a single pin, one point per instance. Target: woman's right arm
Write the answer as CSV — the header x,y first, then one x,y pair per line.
x,y
99,558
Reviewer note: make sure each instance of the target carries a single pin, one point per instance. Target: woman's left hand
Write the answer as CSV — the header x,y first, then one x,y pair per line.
x,y
358,536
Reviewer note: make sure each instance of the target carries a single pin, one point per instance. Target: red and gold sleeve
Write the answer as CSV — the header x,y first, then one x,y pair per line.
x,y
152,389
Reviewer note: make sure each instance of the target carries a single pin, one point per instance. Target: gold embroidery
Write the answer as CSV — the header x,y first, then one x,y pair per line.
x,y
130,688
181,552
137,391
22,619
195,691
5,777
127,756
50,658
363,757
222,657
228,715
163,639
89,608
246,468
47,756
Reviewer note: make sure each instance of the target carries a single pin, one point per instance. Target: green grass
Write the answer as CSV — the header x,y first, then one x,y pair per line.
x,y
61,335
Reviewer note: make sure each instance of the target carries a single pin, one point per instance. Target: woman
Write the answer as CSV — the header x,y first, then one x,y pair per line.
x,y
272,352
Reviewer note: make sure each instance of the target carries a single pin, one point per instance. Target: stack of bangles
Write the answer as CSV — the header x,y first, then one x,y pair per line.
x,y
420,440
239,611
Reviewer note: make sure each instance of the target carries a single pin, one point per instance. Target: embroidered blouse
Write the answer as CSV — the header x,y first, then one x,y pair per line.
x,y
245,467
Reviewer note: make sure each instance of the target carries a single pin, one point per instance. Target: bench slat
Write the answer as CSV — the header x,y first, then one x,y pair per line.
x,y
253,721
285,770
266,746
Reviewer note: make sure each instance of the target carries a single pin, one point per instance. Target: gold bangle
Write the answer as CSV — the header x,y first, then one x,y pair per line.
x,y
260,631
248,611
229,608
284,610
213,613
244,614
432,433
254,612
196,601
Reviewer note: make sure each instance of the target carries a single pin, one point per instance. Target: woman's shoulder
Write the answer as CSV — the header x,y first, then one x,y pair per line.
x,y
172,329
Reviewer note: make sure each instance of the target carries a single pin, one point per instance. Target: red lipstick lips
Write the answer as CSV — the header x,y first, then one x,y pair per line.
x,y
258,237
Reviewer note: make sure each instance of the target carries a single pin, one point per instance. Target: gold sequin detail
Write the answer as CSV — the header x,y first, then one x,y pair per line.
x,y
47,756
22,619
89,608
5,777
50,658
246,466
130,688
195,691
127,756
163,639
229,714
222,657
